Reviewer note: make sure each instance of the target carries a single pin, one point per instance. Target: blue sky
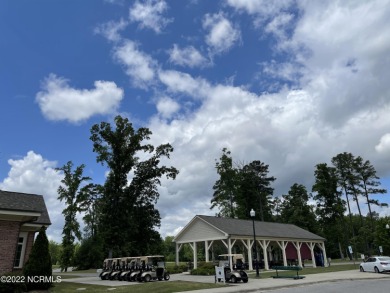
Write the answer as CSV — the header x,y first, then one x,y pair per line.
x,y
290,83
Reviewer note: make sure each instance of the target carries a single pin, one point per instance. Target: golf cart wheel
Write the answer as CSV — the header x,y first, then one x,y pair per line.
x,y
167,277
233,279
147,278
361,269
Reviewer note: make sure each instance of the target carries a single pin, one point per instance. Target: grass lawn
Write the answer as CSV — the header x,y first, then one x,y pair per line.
x,y
155,287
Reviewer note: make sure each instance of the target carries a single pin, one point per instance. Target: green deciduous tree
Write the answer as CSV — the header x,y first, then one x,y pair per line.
x,y
296,210
74,194
255,191
90,253
128,216
55,250
241,188
226,187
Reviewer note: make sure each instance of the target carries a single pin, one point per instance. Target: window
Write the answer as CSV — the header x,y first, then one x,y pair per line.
x,y
20,250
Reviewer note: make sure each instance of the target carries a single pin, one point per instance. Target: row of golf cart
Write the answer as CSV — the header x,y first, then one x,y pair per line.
x,y
131,269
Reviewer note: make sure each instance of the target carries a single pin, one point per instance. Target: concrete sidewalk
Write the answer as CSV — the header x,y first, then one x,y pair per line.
x,y
253,285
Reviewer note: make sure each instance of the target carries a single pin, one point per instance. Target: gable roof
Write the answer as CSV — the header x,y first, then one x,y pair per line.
x,y
25,202
244,228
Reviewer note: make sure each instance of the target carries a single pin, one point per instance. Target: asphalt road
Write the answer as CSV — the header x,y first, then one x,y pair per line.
x,y
347,286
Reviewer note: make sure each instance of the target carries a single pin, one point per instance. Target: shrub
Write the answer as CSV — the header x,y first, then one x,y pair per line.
x,y
204,269
13,287
177,269
89,254
39,263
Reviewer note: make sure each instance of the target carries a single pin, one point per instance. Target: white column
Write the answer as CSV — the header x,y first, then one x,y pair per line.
x,y
230,252
250,258
178,248
206,250
283,245
313,259
322,246
298,248
207,247
264,245
195,256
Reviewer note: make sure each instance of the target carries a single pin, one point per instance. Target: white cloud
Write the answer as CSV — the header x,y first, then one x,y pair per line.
x,y
59,101
347,64
278,25
111,29
180,82
149,14
36,175
222,35
340,65
167,107
138,65
187,56
263,8
384,145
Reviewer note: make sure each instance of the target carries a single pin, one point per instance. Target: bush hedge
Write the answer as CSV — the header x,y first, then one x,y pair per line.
x,y
177,269
204,269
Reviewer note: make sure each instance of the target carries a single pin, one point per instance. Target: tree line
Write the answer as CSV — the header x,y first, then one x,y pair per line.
x,y
324,210
120,216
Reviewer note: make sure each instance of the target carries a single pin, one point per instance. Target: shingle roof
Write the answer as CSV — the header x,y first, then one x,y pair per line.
x,y
263,229
16,201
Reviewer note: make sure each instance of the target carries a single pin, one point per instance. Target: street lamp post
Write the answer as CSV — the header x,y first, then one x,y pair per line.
x,y
253,213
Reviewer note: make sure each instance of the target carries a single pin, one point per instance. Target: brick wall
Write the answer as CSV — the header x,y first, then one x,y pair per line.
x,y
9,233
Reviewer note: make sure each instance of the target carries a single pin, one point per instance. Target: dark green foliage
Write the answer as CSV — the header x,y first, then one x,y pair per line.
x,y
240,189
255,191
369,183
226,187
177,269
204,269
39,263
169,248
296,210
55,250
90,254
381,235
357,178
329,209
127,213
13,287
74,195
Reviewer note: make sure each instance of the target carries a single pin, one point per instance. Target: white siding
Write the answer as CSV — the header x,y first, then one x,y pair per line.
x,y
199,231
